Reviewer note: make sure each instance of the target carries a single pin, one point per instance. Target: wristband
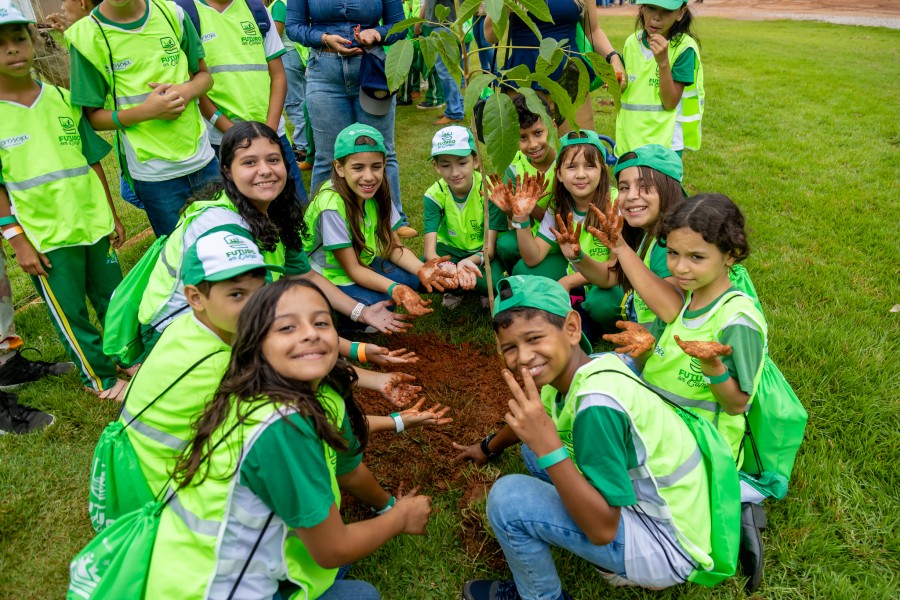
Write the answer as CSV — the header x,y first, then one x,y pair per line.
x,y
521,224
557,456
486,450
354,351
387,506
480,255
116,121
10,220
717,379
215,117
12,232
391,289
611,54
357,311
361,353
398,422
577,259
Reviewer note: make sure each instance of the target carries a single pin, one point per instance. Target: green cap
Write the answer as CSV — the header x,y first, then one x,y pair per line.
x,y
667,4
572,139
222,255
455,140
345,142
534,291
657,157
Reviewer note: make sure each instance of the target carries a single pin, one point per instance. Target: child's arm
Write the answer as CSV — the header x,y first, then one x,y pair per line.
x,y
361,484
117,237
495,444
361,275
430,246
669,89
376,315
30,260
208,109
277,92
413,416
573,280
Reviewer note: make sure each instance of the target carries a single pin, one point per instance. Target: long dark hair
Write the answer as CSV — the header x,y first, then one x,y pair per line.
x,y
716,218
354,208
670,197
284,221
563,204
680,28
251,382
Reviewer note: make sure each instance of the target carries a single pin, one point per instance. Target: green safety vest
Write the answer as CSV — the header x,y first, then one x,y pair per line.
x,y
236,59
152,53
670,481
460,228
642,312
642,119
207,531
164,294
323,259
56,196
522,166
678,377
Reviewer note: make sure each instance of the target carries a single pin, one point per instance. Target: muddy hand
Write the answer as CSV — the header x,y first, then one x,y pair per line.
x,y
568,238
434,277
404,296
703,350
529,189
400,389
611,223
634,340
414,415
500,194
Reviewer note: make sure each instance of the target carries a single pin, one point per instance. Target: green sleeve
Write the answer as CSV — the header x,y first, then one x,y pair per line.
x,y
93,147
497,219
89,87
605,452
279,12
433,215
683,69
746,354
349,460
190,43
658,263
296,262
286,469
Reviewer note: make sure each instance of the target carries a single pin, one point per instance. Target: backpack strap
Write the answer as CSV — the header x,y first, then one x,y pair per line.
x,y
250,557
190,9
261,15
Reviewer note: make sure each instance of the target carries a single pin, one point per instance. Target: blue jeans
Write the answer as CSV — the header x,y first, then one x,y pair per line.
x,y
332,102
452,95
529,518
296,95
128,194
292,167
387,269
343,589
486,56
163,200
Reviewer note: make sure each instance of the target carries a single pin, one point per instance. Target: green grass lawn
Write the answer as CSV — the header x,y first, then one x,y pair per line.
x,y
801,130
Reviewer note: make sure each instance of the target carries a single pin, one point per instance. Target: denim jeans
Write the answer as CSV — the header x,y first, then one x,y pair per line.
x,y
164,199
452,95
341,589
332,101
485,56
292,167
128,194
296,95
387,269
529,518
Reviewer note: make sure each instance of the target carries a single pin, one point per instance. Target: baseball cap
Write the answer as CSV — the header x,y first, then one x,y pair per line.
x,y
222,255
534,291
374,95
455,140
345,142
667,4
572,139
10,13
657,157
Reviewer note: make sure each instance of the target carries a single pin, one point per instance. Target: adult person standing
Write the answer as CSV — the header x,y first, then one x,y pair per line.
x,y
453,111
338,33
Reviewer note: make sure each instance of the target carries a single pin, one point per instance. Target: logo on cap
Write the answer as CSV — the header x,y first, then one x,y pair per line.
x,y
380,94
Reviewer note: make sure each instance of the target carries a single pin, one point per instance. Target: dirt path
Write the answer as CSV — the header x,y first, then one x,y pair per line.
x,y
872,13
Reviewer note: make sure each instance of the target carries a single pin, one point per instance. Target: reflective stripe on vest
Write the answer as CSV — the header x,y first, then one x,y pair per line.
x,y
157,435
193,522
236,68
18,186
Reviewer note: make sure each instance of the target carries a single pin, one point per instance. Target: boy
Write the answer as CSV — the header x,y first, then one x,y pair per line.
x,y
454,212
143,59
619,477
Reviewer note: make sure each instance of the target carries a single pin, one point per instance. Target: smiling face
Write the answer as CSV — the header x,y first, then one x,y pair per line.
x,y
533,144
219,308
16,50
658,20
302,343
696,264
638,198
580,178
545,349
457,171
363,171
259,172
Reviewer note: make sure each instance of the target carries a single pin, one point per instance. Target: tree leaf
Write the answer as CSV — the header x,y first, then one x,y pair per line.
x,y
398,63
536,105
428,46
466,11
608,76
584,83
441,12
494,9
548,47
501,131
559,96
520,12
518,72
448,47
501,25
538,8
404,25
474,90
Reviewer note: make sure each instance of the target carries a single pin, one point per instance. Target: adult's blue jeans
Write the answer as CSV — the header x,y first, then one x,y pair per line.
x,y
163,200
332,102
485,56
452,95
296,95
382,267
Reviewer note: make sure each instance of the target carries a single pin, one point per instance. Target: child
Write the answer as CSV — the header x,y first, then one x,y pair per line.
x,y
618,477
663,103
57,212
137,68
536,155
352,218
267,458
454,212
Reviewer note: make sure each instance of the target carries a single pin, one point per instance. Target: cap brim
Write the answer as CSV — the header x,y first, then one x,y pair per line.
x,y
232,273
459,152
667,4
375,106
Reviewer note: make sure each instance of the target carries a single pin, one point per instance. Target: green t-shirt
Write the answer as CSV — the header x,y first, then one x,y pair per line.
x,y
279,11
604,451
286,469
434,215
683,69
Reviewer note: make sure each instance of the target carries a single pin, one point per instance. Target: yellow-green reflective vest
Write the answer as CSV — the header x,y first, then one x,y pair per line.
x,y
56,196
236,59
642,312
463,229
643,119
206,532
678,377
137,57
670,481
321,258
522,166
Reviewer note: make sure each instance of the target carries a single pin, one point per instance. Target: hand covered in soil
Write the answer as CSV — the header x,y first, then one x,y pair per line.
x,y
415,510
467,273
527,416
501,193
707,351
472,453
404,296
433,275
379,355
415,417
529,189
568,237
634,340
399,388
384,320
611,223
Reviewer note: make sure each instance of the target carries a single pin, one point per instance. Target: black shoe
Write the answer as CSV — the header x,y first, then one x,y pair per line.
x,y
18,419
493,589
18,370
404,102
750,555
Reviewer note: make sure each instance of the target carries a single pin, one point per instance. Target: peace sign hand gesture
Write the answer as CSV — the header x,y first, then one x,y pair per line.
x,y
527,416
634,340
611,223
567,238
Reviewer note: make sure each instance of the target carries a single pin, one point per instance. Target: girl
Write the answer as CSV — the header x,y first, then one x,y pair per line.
x,y
266,464
711,356
582,181
255,198
663,103
352,217
56,211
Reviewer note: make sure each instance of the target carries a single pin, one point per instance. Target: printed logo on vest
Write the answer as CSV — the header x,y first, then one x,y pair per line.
x,y
207,37
119,66
70,129
16,140
251,37
68,125
168,45
694,377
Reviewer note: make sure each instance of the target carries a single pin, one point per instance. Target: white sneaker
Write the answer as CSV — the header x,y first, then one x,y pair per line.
x,y
451,301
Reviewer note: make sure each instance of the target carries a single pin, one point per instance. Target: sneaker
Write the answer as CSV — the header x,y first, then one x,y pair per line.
x,y
493,589
429,105
445,120
404,102
750,553
19,419
407,232
18,369
451,301
299,153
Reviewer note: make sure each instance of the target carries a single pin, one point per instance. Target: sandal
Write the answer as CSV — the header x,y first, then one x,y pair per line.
x,y
116,393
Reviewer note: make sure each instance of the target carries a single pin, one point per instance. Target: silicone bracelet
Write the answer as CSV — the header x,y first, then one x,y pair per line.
x,y
398,422
354,351
357,311
10,220
361,353
717,379
521,224
215,117
557,456
480,255
577,259
387,506
12,232
611,54
391,289
116,121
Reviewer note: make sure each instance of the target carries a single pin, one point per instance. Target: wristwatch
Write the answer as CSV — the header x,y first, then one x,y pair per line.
x,y
485,448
